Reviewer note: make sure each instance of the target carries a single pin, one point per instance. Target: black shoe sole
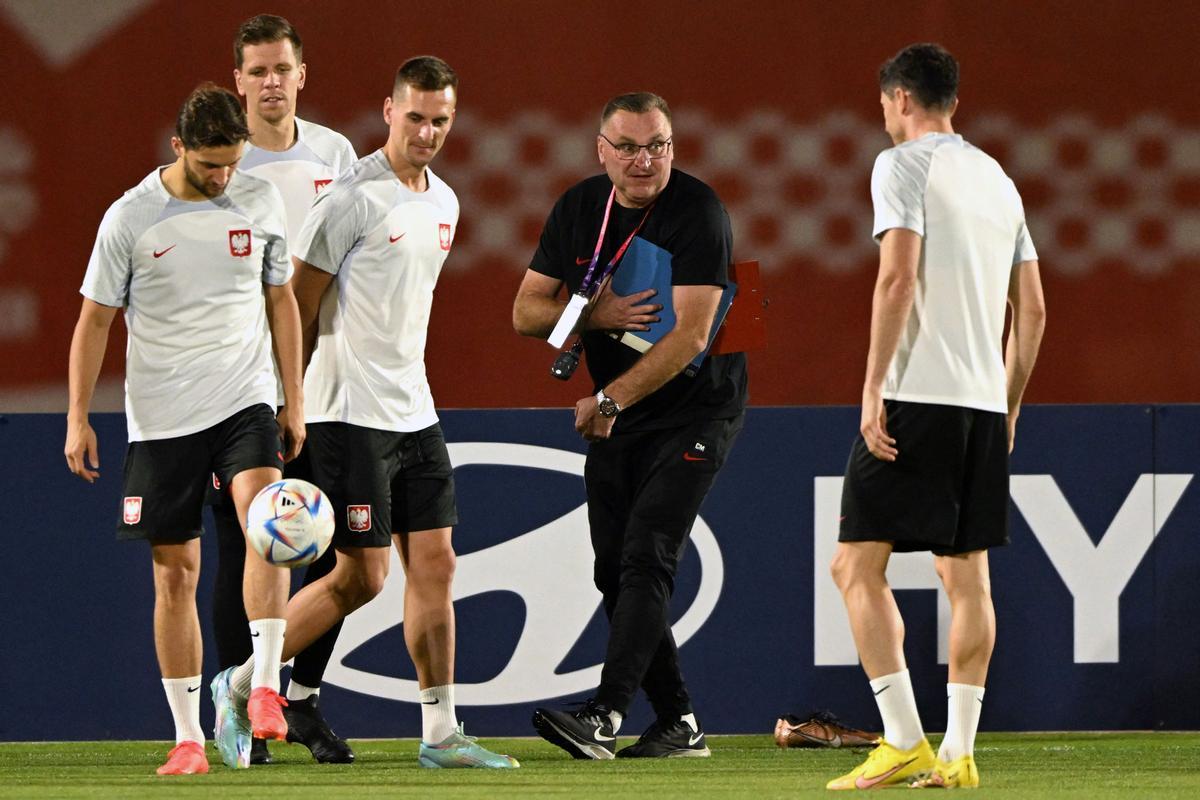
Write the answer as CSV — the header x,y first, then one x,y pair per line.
x,y
683,752
322,757
581,750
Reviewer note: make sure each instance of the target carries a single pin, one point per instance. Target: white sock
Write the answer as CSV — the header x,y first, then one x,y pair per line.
x,y
298,691
438,719
964,702
183,696
690,719
267,638
616,717
239,682
898,707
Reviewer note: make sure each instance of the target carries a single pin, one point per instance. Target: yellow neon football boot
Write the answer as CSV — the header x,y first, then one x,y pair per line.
x,y
887,766
957,774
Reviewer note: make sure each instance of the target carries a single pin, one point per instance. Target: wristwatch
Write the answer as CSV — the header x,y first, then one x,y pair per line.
x,y
609,408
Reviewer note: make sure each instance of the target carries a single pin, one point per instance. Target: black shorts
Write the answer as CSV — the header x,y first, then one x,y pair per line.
x,y
382,482
166,479
947,490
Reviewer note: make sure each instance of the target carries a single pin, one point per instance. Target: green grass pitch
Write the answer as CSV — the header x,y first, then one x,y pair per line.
x,y
1092,766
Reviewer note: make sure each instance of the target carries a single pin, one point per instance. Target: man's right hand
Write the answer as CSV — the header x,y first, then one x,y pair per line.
x,y
612,312
82,452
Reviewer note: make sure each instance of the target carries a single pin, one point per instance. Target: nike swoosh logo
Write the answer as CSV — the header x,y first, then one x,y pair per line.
x,y
255,633
866,783
600,737
161,253
193,689
884,689
690,457
431,702
581,261
394,239
693,739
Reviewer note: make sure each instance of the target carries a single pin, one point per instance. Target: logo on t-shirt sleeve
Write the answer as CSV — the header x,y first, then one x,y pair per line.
x,y
444,235
239,243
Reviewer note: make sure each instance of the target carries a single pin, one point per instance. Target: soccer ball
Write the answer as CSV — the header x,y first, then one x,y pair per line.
x,y
290,523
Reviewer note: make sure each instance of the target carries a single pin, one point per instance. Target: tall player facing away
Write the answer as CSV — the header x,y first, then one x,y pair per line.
x,y
300,158
367,261
196,255
940,404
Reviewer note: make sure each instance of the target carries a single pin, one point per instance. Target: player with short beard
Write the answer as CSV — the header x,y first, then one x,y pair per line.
x,y
197,256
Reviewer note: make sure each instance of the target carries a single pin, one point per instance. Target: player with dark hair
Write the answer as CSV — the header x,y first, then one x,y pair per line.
x,y
367,261
657,436
300,158
197,256
929,469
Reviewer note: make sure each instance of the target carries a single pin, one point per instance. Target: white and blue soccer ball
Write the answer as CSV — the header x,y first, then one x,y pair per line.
x,y
290,523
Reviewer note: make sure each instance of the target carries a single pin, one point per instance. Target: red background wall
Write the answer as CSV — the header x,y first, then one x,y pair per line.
x,y
1090,105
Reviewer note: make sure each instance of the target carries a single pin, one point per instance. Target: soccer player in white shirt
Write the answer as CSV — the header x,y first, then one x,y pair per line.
x,y
929,470
367,262
197,256
300,158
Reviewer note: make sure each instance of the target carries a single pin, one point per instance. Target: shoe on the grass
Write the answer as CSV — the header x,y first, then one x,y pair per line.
x,y
584,733
265,710
185,758
820,729
459,751
888,766
259,754
680,737
232,732
307,726
957,774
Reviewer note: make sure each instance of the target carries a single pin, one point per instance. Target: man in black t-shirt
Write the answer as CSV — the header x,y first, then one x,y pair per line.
x,y
657,436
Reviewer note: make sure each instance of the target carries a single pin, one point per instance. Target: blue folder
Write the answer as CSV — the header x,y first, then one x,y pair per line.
x,y
646,266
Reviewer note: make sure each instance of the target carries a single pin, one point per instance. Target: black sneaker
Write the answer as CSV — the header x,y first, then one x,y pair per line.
x,y
309,728
584,733
680,738
259,754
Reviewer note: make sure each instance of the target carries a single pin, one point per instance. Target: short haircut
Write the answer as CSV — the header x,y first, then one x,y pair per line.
x,y
425,73
635,103
211,117
265,28
926,70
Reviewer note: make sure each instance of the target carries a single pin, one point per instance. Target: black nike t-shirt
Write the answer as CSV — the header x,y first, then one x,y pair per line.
x,y
689,222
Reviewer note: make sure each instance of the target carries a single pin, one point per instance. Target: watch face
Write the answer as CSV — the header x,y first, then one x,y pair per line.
x,y
608,407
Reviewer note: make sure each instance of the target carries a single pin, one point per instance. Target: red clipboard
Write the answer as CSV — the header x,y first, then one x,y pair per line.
x,y
745,325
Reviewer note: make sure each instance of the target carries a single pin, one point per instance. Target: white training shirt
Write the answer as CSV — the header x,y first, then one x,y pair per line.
x,y
972,223
386,245
312,162
316,157
190,277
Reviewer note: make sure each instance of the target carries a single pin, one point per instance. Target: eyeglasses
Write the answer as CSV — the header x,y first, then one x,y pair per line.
x,y
628,151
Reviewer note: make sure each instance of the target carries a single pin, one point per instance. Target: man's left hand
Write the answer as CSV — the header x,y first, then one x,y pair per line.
x,y
291,428
588,421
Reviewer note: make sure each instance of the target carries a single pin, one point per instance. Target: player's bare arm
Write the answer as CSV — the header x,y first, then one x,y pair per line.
x,y
1024,336
538,307
899,255
284,319
309,285
695,309
88,344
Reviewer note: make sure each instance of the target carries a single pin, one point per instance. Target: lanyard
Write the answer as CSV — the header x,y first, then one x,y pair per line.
x,y
586,287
